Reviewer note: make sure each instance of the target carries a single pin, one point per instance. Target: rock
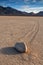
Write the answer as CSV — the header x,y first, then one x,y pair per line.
x,y
21,47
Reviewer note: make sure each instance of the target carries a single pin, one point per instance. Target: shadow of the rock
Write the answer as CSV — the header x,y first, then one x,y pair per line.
x,y
9,51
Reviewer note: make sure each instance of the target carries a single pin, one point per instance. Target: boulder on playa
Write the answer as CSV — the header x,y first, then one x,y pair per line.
x,y
21,47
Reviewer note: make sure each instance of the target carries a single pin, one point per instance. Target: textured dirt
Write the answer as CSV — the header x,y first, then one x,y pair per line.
x,y
26,29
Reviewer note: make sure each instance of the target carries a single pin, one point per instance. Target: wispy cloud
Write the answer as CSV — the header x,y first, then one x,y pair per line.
x,y
13,1
34,0
26,0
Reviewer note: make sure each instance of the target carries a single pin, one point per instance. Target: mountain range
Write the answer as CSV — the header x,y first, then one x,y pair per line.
x,y
8,11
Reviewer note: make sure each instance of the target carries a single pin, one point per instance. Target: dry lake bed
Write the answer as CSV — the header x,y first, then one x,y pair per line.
x,y
25,29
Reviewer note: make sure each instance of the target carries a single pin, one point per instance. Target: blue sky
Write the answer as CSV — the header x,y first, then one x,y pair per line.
x,y
24,5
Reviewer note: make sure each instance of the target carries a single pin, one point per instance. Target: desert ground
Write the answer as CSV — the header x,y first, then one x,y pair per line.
x,y
25,29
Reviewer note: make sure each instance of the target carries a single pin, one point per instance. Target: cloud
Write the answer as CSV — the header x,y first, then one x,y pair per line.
x,y
26,1
24,6
34,0
28,9
11,0
38,0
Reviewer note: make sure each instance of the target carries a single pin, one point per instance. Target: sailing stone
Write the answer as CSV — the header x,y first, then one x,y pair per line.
x,y
21,47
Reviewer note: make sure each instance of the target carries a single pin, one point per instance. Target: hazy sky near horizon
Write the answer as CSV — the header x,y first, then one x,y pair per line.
x,y
24,5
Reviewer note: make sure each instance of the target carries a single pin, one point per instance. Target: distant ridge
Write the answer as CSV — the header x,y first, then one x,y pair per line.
x,y
8,11
40,13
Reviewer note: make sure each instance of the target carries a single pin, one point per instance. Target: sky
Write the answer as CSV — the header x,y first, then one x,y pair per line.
x,y
24,5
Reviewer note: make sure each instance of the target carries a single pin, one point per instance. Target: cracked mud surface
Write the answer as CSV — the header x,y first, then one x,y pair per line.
x,y
26,29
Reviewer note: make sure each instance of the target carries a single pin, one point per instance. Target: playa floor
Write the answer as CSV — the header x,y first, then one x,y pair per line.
x,y
21,28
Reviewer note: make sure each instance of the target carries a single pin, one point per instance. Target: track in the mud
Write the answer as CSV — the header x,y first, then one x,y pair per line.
x,y
30,35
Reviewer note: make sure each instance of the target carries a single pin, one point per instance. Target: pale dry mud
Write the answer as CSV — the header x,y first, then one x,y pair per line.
x,y
26,29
